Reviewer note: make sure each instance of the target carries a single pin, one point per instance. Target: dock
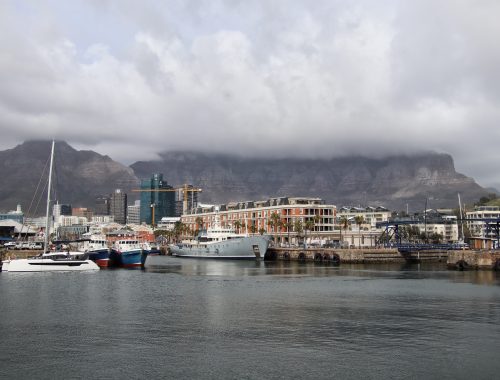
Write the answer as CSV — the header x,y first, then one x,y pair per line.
x,y
353,255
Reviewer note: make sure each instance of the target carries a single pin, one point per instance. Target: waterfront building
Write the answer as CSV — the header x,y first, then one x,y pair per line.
x,y
82,212
118,206
71,220
444,225
61,209
371,215
102,219
102,205
168,223
134,213
71,232
39,222
17,215
157,200
275,216
482,224
12,229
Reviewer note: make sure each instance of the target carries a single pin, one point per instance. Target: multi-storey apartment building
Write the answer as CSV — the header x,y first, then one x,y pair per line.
x,y
258,217
134,213
371,215
446,226
481,220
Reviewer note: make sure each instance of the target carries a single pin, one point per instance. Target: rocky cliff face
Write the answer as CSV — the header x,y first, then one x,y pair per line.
x,y
79,176
392,182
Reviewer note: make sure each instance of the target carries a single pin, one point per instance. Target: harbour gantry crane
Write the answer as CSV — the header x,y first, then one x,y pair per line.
x,y
186,189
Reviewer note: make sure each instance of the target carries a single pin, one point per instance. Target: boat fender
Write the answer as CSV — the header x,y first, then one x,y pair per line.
x,y
335,260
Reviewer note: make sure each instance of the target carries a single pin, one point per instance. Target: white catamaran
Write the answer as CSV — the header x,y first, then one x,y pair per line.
x,y
50,261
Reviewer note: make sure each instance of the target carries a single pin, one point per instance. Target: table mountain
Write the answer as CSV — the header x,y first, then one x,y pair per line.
x,y
392,182
79,176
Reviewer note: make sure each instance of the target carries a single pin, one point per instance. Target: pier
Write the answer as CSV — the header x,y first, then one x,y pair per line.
x,y
336,256
470,259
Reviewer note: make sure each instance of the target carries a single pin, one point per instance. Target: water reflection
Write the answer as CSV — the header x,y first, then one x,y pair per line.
x,y
242,268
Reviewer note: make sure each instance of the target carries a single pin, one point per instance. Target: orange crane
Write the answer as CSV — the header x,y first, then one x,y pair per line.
x,y
185,190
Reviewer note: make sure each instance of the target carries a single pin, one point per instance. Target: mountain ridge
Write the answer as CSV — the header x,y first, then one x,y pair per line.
x,y
393,181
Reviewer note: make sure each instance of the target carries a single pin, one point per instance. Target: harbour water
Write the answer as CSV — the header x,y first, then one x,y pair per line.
x,y
251,320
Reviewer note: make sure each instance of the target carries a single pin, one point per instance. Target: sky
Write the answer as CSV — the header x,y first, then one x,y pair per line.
x,y
257,78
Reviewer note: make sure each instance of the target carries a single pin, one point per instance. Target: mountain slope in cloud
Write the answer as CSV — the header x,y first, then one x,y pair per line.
x,y
392,182
79,176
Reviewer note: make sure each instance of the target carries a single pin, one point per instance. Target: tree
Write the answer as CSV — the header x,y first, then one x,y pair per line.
x,y
271,224
179,230
288,224
308,226
316,221
436,238
199,222
344,223
253,228
359,221
298,227
275,221
237,225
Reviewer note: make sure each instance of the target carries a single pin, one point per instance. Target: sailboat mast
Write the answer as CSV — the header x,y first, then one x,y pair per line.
x,y
47,222
461,217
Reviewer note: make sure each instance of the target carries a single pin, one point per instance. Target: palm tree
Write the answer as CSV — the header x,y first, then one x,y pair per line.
x,y
359,221
275,221
288,224
344,223
253,228
316,221
298,227
271,224
199,222
237,225
308,225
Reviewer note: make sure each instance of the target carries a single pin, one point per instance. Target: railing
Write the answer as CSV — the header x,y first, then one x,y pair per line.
x,y
427,247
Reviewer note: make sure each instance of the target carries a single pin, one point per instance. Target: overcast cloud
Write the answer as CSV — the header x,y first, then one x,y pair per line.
x,y
275,78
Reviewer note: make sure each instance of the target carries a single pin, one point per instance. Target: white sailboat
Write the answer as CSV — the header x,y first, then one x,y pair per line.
x,y
50,261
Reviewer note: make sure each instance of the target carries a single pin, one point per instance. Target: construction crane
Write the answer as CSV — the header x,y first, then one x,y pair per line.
x,y
185,190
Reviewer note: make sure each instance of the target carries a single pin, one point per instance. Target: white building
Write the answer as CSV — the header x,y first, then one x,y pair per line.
x,y
478,228
102,219
167,223
447,228
134,213
370,215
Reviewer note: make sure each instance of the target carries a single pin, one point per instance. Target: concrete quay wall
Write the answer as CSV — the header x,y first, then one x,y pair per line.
x,y
470,259
337,256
